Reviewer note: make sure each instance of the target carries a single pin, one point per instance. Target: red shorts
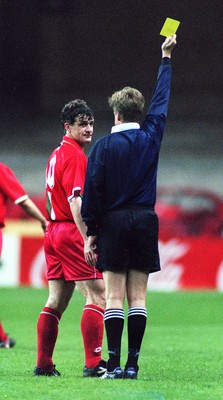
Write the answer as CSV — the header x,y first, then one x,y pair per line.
x,y
64,253
0,241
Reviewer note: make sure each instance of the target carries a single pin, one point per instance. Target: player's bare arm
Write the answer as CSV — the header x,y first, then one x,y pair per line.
x,y
30,208
75,206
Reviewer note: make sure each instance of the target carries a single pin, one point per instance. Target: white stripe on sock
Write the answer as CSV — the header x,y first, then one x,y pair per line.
x,y
49,313
137,311
114,313
93,309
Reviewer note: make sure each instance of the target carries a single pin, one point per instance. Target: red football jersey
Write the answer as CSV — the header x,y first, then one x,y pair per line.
x,y
10,188
65,175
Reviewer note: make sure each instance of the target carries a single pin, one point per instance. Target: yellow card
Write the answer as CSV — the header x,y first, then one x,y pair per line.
x,y
170,27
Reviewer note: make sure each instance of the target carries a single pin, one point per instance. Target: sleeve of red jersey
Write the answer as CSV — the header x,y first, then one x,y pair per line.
x,y
10,186
73,179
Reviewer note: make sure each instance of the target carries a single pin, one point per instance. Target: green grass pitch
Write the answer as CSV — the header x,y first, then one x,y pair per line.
x,y
181,356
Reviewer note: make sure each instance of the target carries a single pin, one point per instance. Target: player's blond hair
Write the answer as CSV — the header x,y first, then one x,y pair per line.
x,y
129,102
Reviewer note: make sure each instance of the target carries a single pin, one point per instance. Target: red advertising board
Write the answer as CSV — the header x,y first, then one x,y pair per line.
x,y
32,262
187,264
190,263
191,243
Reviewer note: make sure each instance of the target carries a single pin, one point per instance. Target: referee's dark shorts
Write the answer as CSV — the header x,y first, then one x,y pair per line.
x,y
128,239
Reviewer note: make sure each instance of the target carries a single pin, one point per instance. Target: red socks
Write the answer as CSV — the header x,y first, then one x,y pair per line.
x,y
47,331
3,335
92,329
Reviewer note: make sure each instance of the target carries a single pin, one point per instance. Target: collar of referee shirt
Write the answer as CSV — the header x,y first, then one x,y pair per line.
x,y
125,127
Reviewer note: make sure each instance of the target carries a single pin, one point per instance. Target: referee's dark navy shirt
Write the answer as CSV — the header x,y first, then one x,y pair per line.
x,y
122,166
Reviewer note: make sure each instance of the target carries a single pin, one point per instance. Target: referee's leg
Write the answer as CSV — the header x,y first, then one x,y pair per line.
x,y
137,316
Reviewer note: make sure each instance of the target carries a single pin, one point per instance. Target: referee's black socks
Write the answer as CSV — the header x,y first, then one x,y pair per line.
x,y
137,317
114,323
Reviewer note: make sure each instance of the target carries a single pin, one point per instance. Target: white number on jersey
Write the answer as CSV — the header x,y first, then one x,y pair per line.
x,y
50,175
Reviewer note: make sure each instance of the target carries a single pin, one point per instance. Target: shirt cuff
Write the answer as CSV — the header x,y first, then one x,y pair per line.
x,y
21,199
92,231
166,61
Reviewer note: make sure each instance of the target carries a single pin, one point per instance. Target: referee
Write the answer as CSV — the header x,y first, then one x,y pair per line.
x,y
118,210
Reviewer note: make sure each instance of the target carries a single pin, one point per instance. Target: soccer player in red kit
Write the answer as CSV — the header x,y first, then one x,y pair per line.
x,y
64,243
11,188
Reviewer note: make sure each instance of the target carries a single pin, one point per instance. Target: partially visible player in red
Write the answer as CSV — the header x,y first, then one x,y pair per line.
x,y
11,188
64,242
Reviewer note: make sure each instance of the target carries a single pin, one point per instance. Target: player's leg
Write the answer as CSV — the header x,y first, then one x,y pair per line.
x,y
5,340
60,293
137,317
113,258
144,258
115,284
92,325
90,283
3,335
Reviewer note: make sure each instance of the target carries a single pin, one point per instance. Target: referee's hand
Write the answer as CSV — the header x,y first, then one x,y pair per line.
x,y
168,45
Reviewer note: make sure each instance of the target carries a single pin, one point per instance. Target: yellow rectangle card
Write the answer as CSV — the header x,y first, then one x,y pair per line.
x,y
170,27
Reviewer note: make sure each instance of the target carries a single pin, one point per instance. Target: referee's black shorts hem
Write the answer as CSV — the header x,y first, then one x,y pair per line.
x,y
128,239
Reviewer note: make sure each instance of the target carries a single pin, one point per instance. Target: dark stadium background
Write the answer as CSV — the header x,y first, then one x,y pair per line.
x,y
55,50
